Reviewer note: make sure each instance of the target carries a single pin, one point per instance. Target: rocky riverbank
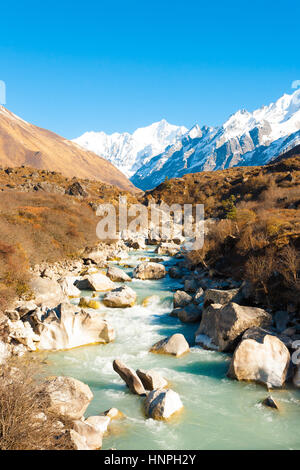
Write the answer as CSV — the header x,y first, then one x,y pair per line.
x,y
261,341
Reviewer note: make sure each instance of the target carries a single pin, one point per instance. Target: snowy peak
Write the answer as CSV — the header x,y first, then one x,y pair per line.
x,y
129,152
246,138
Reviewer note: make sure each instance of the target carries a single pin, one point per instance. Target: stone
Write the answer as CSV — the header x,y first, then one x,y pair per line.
x,y
169,249
68,287
175,272
121,297
89,303
74,440
217,296
225,324
114,413
117,275
270,402
161,404
129,376
260,357
23,333
199,296
68,326
181,299
67,397
190,285
100,423
46,292
76,189
281,319
189,314
96,282
90,433
151,379
176,345
25,306
148,270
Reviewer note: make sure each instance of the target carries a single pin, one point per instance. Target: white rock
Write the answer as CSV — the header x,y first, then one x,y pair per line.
x,y
162,404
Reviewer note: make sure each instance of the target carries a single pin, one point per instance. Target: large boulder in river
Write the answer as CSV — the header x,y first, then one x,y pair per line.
x,y
121,297
189,314
67,326
117,275
46,292
148,270
181,298
161,404
97,282
169,249
224,325
217,296
91,435
68,287
130,377
176,345
260,357
67,397
151,379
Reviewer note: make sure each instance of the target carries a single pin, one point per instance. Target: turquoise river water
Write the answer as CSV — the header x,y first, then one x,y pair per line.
x,y
219,413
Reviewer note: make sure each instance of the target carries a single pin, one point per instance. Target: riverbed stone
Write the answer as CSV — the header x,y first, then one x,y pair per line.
x,y
169,249
175,272
121,297
151,379
225,324
182,298
218,296
176,345
162,403
117,275
270,403
89,432
149,270
97,282
68,287
67,397
189,314
100,423
129,376
260,357
68,326
46,292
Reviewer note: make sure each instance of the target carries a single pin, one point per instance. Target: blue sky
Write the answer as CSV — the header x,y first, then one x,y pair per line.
x,y
73,66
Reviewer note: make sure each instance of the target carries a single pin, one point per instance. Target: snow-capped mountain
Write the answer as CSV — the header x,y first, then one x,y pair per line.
x,y
128,152
244,139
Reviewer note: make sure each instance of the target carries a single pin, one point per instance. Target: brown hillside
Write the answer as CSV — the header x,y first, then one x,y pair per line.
x,y
22,143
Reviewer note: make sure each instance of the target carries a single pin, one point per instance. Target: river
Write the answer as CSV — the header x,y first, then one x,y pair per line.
x,y
219,413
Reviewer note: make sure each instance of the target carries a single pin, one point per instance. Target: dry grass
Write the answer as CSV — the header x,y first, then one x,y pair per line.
x,y
25,423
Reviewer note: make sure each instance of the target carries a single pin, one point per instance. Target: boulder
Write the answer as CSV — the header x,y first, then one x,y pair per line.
x,y
98,282
89,303
189,314
117,275
95,257
270,403
176,345
175,272
181,299
46,292
100,423
22,332
90,433
130,377
190,285
169,249
260,357
224,324
68,287
217,296
74,441
162,403
67,397
148,270
25,306
121,297
151,379
68,326
199,296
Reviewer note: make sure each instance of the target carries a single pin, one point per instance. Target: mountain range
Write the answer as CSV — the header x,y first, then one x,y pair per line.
x,y
152,154
22,143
